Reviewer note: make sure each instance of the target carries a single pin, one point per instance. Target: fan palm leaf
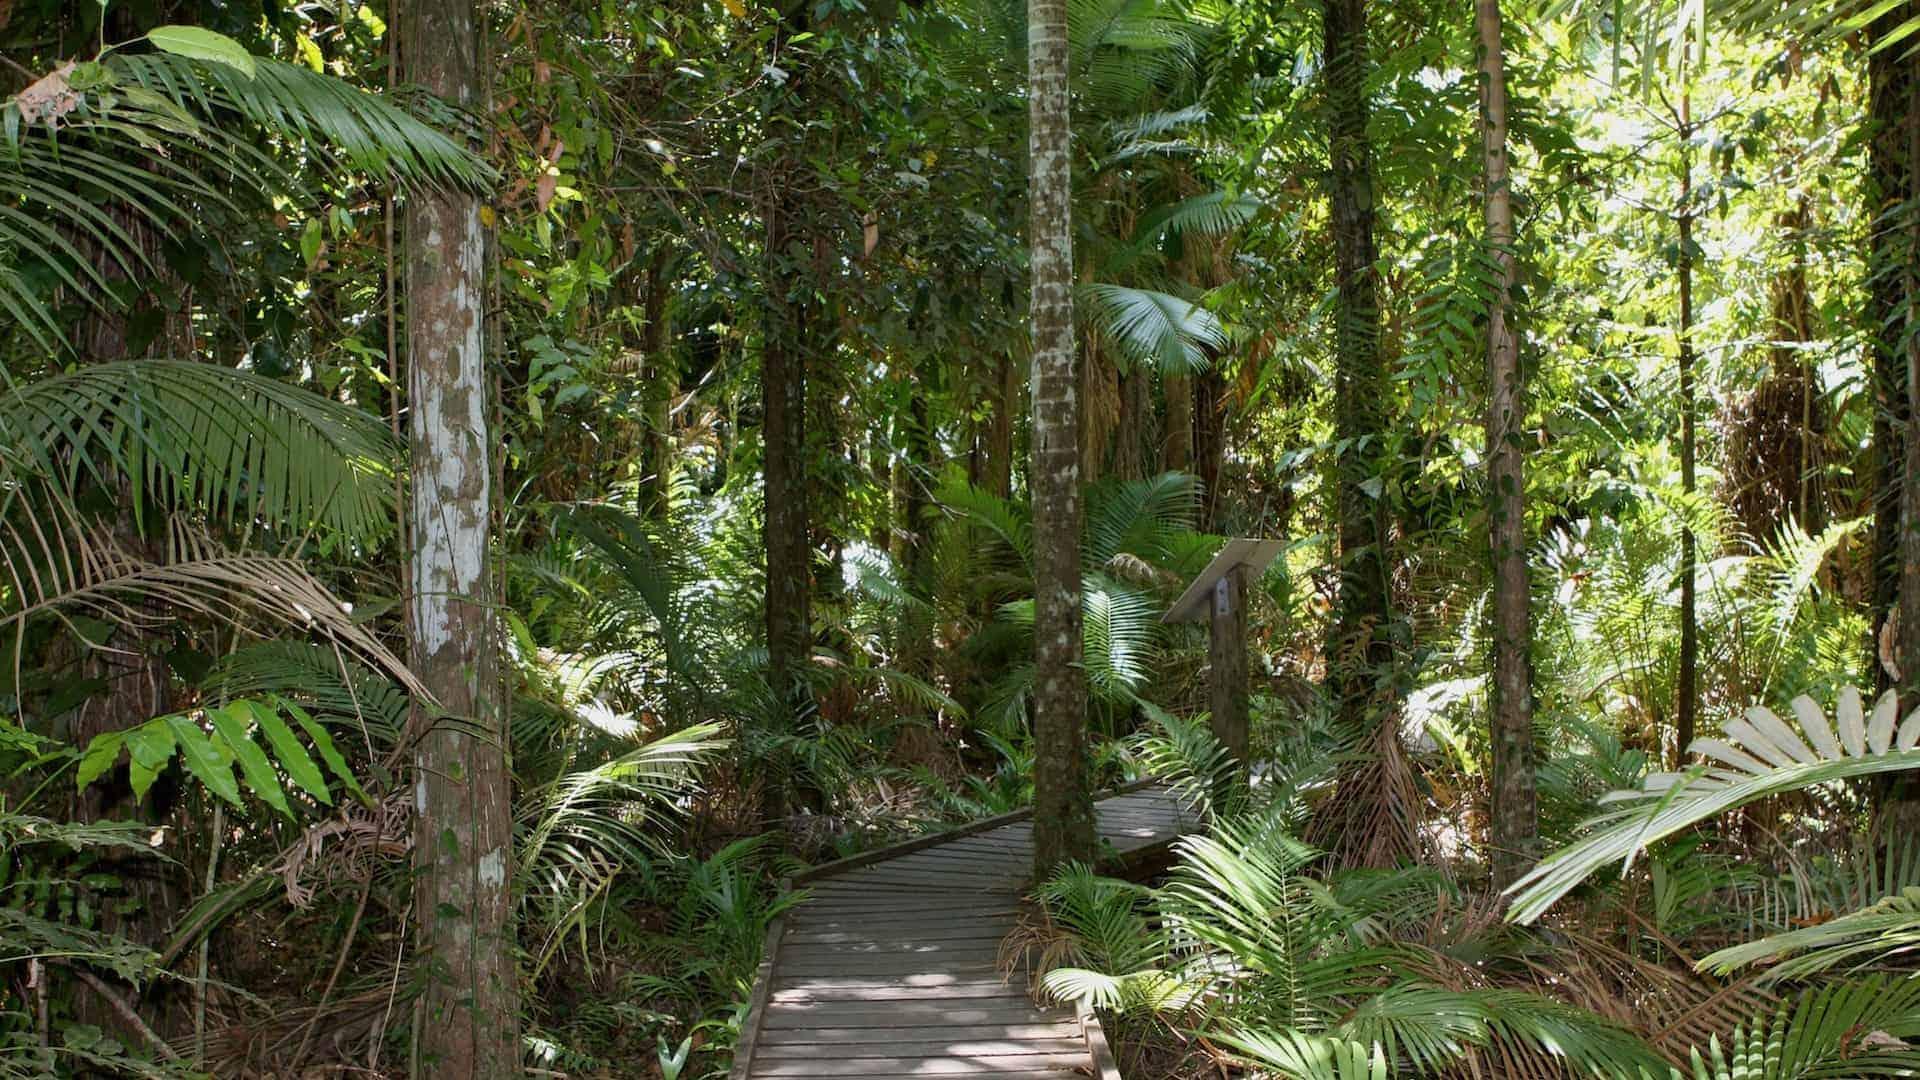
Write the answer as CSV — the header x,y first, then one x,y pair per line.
x,y
1154,329
1760,757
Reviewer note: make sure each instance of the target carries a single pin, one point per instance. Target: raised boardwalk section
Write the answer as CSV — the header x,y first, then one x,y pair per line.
x,y
890,968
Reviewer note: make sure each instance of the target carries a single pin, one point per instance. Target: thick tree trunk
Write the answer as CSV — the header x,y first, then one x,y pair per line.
x,y
463,837
1891,79
1688,689
1063,803
1360,650
1515,817
1177,448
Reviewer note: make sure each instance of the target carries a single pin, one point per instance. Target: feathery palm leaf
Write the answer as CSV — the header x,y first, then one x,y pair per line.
x,y
1841,1031
1296,1055
230,442
1875,934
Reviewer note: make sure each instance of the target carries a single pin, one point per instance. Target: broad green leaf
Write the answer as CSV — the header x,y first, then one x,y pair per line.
x,y
151,746
101,753
203,760
231,723
197,43
293,756
323,742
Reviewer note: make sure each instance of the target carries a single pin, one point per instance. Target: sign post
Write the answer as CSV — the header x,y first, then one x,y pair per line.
x,y
1219,595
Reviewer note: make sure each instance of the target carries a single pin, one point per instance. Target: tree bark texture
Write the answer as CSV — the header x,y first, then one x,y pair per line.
x,y
1360,650
1177,447
470,1023
1909,554
783,391
1891,78
1515,811
662,384
1688,693
1209,442
1063,803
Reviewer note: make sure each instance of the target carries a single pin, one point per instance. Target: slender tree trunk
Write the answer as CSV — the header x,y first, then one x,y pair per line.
x,y
1063,803
1515,817
783,393
789,280
1688,690
1909,646
996,473
1360,650
463,838
914,646
1891,79
662,383
1177,447
1209,441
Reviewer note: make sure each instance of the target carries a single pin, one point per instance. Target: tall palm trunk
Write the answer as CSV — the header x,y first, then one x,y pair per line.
x,y
470,1008
1891,77
1515,817
1909,645
1359,649
1688,691
1063,805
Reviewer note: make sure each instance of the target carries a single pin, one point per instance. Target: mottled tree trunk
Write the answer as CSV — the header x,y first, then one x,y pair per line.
x,y
463,837
1063,803
1360,650
1515,817
662,382
1688,694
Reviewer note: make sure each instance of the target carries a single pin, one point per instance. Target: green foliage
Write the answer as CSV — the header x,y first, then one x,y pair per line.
x,y
1760,757
210,756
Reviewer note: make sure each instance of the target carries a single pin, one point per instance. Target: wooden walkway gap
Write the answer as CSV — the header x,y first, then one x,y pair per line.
x,y
890,967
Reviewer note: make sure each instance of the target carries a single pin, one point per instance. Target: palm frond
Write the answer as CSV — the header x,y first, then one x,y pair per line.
x,y
1296,1055
201,436
1843,1029
1761,756
363,131
1877,934
1212,214
1154,329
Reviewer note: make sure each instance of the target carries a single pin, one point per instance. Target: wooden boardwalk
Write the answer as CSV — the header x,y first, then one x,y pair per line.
x,y
890,968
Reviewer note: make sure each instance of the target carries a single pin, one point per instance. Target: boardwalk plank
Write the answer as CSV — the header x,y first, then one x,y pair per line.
x,y
890,967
